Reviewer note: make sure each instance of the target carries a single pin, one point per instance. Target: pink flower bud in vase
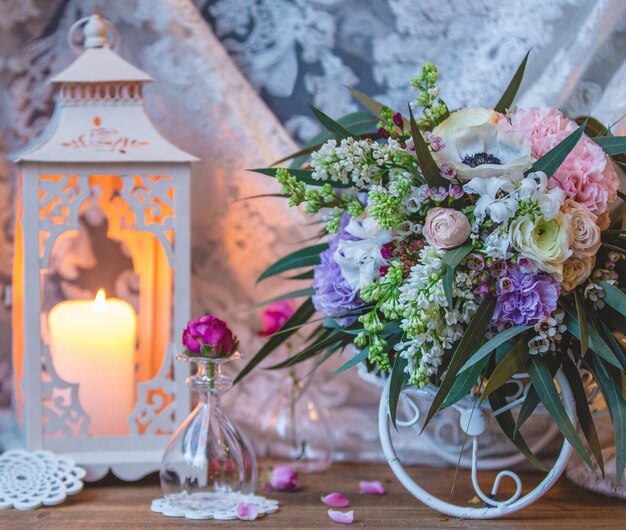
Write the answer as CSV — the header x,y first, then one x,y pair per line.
x,y
208,336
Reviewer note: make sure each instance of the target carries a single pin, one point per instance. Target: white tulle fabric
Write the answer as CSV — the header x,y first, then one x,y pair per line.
x,y
290,51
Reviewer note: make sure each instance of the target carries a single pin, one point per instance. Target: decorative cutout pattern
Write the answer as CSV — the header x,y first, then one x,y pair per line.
x,y
61,407
60,200
222,508
29,480
154,411
103,139
152,200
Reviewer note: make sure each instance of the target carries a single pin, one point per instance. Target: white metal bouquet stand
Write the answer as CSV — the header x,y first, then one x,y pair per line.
x,y
474,419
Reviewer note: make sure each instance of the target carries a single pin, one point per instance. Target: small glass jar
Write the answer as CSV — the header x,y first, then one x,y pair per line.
x,y
209,460
296,428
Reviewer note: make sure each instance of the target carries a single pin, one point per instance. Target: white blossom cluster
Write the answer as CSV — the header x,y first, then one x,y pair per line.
x,y
430,326
350,161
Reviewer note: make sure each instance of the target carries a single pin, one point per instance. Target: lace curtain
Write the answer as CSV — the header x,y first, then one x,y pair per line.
x,y
232,82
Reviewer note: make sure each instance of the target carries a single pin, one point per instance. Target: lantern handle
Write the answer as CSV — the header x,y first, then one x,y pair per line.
x,y
97,32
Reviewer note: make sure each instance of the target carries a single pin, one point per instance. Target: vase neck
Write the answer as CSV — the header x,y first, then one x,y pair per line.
x,y
209,378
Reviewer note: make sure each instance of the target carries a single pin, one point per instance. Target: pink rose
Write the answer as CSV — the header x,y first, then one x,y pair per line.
x,y
275,316
585,232
284,479
446,228
208,336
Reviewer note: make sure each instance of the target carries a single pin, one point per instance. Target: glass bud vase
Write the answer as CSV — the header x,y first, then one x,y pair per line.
x,y
209,460
296,428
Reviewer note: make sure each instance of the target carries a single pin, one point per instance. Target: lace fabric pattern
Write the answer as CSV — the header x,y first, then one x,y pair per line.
x,y
232,83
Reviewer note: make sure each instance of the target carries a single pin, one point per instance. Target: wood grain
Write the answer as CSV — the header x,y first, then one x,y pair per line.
x,y
111,504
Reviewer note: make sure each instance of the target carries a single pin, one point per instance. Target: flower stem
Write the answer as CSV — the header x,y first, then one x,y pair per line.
x,y
212,374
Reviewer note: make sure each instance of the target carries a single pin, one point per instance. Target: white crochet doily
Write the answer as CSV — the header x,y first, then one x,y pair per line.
x,y
28,480
219,506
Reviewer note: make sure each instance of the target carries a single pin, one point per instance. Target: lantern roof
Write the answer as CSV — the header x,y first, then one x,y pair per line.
x,y
99,114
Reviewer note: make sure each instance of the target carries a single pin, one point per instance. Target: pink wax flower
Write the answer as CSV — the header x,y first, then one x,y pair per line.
x,y
284,479
275,316
208,336
587,174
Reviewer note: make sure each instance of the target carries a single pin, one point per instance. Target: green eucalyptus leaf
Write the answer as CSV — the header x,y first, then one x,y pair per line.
x,y
583,412
544,384
505,419
302,315
513,362
582,323
300,258
612,145
464,382
428,166
452,258
614,297
511,91
306,275
398,380
302,175
287,296
616,404
469,342
501,338
551,161
594,127
528,407
338,130
358,358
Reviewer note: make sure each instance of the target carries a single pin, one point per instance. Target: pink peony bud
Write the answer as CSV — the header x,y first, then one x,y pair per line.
x,y
446,228
275,316
208,336
284,479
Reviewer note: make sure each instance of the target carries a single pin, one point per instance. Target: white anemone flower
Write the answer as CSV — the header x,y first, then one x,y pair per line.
x,y
535,187
497,198
360,261
484,151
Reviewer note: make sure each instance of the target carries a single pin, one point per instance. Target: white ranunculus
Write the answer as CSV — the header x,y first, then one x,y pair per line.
x,y
360,261
545,243
484,151
496,198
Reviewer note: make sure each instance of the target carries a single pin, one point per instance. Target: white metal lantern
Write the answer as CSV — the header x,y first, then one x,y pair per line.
x,y
94,378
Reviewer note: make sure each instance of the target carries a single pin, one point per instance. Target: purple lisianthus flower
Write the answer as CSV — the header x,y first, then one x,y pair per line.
x,y
333,295
524,298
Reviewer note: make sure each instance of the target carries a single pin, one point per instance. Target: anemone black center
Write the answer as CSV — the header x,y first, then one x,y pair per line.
x,y
478,159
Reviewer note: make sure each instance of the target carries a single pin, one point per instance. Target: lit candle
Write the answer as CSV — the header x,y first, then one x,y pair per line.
x,y
93,344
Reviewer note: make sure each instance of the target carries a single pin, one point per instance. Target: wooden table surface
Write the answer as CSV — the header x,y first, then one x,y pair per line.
x,y
112,504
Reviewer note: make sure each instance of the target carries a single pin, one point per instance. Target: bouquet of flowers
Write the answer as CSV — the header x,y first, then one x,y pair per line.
x,y
463,248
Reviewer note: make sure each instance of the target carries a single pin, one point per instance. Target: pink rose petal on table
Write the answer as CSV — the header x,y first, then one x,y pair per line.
x,y
341,517
335,500
247,511
371,488
284,479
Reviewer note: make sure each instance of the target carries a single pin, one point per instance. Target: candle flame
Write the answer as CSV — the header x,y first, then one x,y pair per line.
x,y
100,300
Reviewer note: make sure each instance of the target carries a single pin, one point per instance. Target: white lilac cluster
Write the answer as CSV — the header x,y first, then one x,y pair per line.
x,y
348,162
430,326
352,161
